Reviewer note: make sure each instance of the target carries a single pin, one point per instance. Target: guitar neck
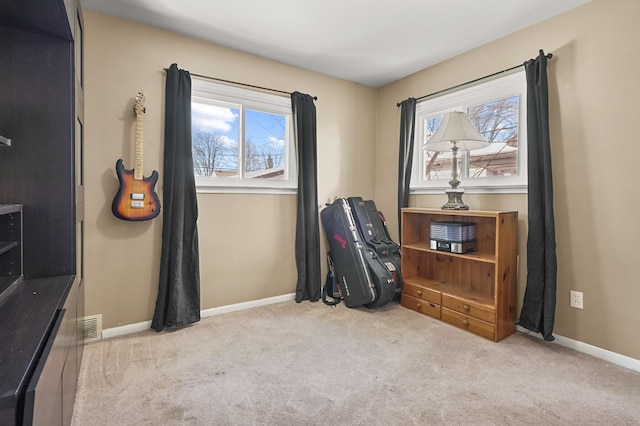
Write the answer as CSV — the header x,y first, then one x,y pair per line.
x,y
138,171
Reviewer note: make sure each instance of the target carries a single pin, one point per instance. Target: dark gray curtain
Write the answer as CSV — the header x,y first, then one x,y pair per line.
x,y
307,224
539,305
405,158
178,302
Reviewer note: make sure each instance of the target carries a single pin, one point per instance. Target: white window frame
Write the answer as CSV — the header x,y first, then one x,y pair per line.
x,y
460,100
204,90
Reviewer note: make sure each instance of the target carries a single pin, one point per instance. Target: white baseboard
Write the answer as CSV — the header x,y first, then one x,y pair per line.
x,y
247,305
146,325
594,351
108,333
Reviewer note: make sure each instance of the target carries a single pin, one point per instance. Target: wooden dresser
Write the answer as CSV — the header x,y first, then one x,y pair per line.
x,y
473,291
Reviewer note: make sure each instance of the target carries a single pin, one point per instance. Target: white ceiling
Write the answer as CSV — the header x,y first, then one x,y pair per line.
x,y
372,42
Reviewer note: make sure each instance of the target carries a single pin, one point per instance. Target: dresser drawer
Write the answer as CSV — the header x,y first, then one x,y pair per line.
x,y
419,305
468,307
466,322
422,293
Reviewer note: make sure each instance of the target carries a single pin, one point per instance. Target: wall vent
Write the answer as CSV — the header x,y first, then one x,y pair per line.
x,y
90,328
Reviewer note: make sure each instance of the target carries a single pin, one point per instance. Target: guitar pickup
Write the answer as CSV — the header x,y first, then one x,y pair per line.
x,y
137,204
137,196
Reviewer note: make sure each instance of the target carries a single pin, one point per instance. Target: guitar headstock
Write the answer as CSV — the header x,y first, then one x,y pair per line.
x,y
139,107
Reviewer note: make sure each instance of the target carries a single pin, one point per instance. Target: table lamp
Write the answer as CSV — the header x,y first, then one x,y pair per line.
x,y
455,132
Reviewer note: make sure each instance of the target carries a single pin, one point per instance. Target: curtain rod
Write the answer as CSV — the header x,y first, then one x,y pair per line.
x,y
315,98
548,55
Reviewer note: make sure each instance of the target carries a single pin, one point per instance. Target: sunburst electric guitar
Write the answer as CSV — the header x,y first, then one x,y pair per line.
x,y
136,198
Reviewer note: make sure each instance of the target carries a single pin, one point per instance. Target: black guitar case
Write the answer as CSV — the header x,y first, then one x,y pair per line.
x,y
382,232
356,273
376,235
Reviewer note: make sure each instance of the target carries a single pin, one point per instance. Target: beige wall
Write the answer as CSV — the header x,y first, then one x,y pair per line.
x,y
594,92
246,241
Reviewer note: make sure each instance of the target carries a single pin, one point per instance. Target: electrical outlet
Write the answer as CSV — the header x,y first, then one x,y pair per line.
x,y
576,299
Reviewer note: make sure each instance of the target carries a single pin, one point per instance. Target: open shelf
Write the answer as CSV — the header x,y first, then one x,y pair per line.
x,y
10,248
476,256
7,286
5,247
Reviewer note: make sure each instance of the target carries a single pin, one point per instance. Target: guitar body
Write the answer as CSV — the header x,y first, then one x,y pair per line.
x,y
136,198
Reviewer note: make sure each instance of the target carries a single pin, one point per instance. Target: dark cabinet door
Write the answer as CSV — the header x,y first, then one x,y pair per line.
x,y
43,398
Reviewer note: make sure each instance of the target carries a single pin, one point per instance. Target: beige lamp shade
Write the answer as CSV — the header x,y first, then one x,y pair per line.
x,y
456,127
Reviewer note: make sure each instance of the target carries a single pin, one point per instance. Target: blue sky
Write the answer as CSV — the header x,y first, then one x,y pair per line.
x,y
263,129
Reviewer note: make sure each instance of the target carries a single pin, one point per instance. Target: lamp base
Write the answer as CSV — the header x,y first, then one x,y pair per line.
x,y
455,200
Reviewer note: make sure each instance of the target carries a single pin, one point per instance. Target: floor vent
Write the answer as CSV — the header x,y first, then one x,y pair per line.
x,y
90,328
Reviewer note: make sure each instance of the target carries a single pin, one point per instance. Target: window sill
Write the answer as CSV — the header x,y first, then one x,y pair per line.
x,y
244,190
511,189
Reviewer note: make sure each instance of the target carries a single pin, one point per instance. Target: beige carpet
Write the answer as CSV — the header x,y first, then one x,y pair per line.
x,y
309,364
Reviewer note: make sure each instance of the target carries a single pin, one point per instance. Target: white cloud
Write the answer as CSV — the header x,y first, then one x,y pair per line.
x,y
228,141
276,142
212,117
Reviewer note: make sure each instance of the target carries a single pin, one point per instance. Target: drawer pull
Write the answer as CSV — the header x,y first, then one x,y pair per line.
x,y
418,305
465,307
419,292
465,323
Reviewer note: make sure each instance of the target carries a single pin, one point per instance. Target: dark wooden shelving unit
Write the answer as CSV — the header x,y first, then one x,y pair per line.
x,y
41,286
